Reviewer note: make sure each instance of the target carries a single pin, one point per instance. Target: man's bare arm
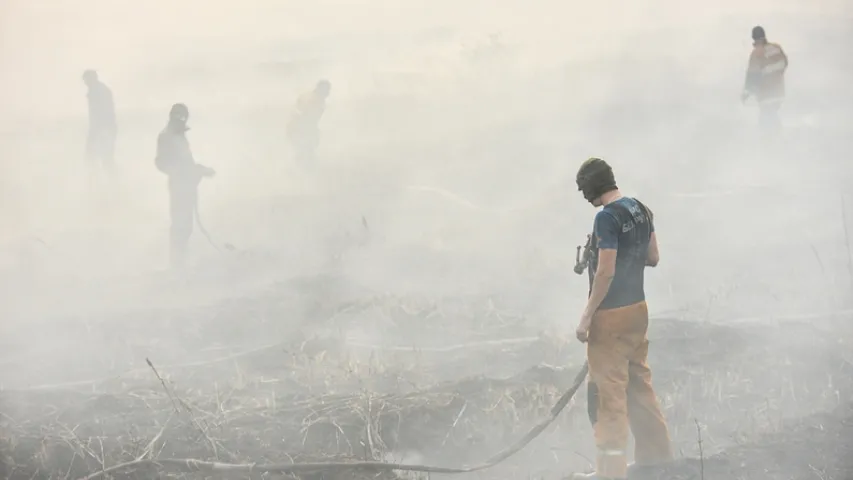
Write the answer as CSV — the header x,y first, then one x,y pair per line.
x,y
602,280
653,257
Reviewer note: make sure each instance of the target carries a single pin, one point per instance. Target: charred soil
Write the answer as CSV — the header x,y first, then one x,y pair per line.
x,y
354,385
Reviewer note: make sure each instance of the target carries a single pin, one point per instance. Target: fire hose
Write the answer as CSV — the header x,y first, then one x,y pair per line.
x,y
581,262
206,234
191,465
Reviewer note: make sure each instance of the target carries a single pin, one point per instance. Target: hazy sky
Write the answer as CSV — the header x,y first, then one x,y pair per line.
x,y
46,44
569,58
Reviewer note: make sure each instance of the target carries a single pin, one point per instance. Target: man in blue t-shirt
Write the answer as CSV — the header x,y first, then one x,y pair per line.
x,y
614,326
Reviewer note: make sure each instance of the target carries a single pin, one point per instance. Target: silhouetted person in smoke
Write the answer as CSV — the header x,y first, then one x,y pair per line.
x,y
175,159
100,144
765,79
303,130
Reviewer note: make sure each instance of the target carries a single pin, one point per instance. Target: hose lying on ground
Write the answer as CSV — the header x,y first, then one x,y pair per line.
x,y
191,465
204,232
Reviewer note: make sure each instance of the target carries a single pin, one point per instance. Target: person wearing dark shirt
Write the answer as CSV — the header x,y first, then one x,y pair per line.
x,y
765,79
175,159
614,325
303,129
100,143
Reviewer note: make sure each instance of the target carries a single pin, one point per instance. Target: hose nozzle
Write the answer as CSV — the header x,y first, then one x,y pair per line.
x,y
582,259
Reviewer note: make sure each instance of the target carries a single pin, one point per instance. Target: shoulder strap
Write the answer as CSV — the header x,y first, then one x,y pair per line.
x,y
649,214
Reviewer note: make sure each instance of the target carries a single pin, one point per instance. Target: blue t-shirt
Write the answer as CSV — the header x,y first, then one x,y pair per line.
x,y
624,225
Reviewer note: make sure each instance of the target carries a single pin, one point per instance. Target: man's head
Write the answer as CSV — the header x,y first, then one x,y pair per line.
x,y
179,114
594,179
90,77
758,35
323,88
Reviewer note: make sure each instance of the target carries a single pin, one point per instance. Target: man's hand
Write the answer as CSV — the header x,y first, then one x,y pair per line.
x,y
206,172
582,331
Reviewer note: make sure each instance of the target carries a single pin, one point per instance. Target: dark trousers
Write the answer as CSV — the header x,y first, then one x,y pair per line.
x,y
304,138
768,117
100,147
182,204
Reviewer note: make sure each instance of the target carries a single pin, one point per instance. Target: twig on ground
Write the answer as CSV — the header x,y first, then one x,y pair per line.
x,y
846,237
149,448
368,422
817,257
701,453
83,447
70,464
177,400
453,425
163,382
588,460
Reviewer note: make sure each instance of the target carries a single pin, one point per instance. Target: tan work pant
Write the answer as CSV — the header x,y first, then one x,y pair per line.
x,y
621,394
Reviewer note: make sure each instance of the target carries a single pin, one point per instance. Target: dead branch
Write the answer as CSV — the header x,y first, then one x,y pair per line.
x,y
701,453
165,388
846,237
192,465
177,400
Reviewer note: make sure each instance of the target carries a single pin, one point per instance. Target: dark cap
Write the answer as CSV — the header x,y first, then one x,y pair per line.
x,y
595,178
758,33
179,111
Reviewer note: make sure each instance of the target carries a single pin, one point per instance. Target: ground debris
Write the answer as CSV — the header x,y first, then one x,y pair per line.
x,y
351,386
75,434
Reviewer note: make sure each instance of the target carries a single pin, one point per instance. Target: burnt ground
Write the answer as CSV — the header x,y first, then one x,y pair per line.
x,y
319,367
452,381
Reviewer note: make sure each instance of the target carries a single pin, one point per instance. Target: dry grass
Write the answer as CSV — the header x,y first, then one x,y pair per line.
x,y
260,421
305,401
318,398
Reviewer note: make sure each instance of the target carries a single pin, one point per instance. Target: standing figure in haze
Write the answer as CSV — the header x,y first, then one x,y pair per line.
x,y
614,326
765,79
100,144
175,159
303,129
